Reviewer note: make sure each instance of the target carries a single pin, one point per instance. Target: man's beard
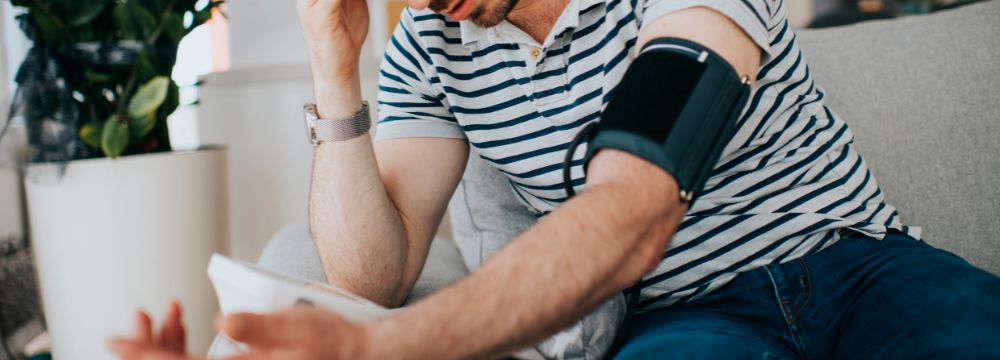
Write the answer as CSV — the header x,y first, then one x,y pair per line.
x,y
485,16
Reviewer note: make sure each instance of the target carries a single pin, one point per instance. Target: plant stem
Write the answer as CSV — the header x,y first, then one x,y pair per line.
x,y
159,27
129,87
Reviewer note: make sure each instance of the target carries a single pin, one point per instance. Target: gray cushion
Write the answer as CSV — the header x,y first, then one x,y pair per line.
x,y
921,95
292,252
485,214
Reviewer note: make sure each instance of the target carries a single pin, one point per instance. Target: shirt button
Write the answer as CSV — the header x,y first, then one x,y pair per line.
x,y
535,52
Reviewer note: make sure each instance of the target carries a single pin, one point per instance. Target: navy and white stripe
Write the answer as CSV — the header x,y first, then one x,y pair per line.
x,y
787,184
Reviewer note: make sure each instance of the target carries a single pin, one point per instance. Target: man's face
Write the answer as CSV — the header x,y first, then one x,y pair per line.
x,y
485,13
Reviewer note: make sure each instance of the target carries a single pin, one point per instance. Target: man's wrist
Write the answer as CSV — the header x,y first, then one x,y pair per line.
x,y
337,98
377,344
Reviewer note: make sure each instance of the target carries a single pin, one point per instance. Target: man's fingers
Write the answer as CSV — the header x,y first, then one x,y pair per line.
x,y
126,349
247,356
134,350
282,328
260,330
143,327
172,335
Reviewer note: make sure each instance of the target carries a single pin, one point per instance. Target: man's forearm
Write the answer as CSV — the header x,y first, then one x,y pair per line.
x,y
357,230
555,273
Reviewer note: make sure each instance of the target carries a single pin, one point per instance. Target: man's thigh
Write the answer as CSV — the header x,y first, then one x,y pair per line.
x,y
688,334
907,300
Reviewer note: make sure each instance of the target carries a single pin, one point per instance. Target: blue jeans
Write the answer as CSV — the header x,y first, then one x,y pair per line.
x,y
861,298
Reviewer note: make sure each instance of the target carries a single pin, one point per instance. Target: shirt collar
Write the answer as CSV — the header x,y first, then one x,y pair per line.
x,y
569,18
471,32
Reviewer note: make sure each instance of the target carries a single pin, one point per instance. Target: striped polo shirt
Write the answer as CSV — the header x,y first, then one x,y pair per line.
x,y
788,184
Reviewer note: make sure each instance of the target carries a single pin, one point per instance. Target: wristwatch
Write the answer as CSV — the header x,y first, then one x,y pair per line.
x,y
319,130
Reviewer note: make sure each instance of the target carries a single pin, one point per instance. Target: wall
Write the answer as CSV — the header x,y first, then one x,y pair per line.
x,y
264,32
11,224
267,33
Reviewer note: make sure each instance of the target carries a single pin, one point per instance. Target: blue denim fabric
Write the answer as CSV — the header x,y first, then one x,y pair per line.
x,y
861,298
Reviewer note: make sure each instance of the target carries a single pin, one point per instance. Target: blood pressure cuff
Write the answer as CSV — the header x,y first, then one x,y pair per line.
x,y
676,107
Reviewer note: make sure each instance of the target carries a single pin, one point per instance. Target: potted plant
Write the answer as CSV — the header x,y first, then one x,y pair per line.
x,y
117,219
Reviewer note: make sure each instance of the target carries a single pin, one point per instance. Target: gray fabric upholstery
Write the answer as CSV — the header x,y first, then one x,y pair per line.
x,y
292,252
485,214
921,95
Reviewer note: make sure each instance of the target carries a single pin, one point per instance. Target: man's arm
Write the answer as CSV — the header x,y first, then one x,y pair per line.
x,y
372,221
590,248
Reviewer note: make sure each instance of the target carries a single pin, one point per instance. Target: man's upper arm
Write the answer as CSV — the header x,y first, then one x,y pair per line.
x,y
712,29
420,148
420,175
706,27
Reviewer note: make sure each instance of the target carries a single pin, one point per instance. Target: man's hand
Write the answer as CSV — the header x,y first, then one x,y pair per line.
x,y
301,332
297,333
144,345
334,31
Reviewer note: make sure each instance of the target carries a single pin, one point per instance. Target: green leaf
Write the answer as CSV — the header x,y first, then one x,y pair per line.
x,y
141,126
201,16
83,12
124,21
171,103
84,34
155,6
145,21
95,76
47,27
145,68
90,135
148,97
114,137
173,27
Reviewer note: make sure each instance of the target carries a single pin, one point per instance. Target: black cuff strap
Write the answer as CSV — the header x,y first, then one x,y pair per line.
x,y
676,107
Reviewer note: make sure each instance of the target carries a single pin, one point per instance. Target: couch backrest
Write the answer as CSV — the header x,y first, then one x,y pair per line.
x,y
922,95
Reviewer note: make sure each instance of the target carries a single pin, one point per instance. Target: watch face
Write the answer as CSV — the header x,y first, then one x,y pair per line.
x,y
309,111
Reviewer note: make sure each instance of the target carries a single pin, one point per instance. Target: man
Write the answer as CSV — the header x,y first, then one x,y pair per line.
x,y
789,250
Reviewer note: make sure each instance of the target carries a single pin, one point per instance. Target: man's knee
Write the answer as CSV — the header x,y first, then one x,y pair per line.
x,y
292,252
939,305
965,327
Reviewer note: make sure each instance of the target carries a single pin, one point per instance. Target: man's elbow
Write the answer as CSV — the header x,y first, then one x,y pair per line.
x,y
646,250
651,209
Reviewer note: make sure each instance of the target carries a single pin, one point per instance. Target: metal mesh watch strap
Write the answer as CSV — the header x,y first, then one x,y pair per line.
x,y
342,129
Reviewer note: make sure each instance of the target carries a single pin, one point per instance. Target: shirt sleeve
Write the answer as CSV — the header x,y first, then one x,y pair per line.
x,y
409,106
753,16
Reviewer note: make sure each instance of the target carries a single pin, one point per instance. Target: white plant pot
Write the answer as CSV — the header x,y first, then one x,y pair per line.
x,y
113,236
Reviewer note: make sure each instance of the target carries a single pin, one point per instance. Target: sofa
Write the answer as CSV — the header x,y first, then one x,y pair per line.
x,y
921,93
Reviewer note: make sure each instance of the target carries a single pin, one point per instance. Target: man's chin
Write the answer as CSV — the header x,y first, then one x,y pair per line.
x,y
492,17
482,21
